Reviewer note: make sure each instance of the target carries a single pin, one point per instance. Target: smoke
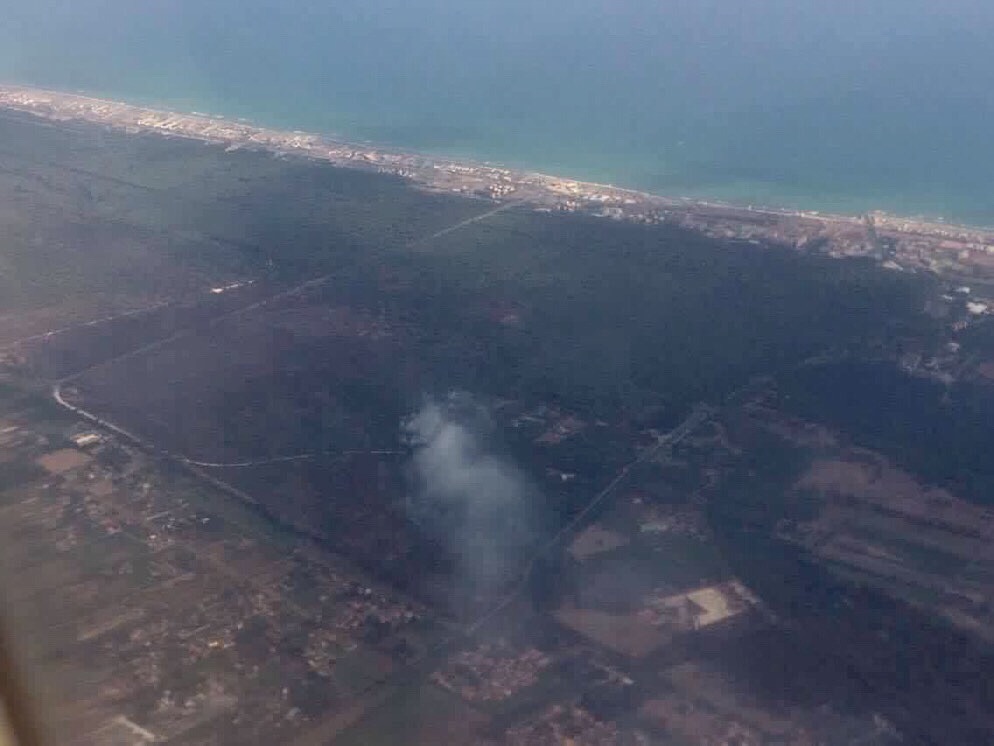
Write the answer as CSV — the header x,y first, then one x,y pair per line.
x,y
466,496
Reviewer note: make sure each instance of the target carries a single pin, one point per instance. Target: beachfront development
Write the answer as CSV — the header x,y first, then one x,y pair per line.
x,y
899,243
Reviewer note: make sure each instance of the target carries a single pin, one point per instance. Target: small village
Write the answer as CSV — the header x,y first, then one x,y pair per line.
x,y
198,617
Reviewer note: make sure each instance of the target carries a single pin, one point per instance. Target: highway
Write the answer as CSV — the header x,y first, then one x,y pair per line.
x,y
93,419
59,397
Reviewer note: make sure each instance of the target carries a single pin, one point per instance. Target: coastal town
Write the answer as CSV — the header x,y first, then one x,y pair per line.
x,y
901,244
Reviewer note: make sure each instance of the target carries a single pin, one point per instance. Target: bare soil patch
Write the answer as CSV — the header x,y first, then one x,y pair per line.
x,y
59,462
627,634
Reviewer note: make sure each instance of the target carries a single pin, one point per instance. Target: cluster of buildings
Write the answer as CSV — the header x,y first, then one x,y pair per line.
x,y
565,724
361,608
561,426
491,672
673,520
683,716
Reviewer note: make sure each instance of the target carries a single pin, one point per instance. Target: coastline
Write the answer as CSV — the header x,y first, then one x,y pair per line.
x,y
898,242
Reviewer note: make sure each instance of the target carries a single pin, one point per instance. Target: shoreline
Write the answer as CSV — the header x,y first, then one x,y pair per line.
x,y
898,242
785,204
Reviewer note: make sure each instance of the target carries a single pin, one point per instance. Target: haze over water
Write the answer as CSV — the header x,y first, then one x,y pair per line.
x,y
838,105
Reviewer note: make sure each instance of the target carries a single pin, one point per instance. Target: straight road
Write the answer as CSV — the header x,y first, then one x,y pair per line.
x,y
83,325
283,459
464,223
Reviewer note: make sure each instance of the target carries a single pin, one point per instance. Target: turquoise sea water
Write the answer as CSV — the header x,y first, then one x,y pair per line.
x,y
841,106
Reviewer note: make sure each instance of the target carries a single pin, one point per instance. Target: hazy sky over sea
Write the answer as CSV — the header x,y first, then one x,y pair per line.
x,y
844,104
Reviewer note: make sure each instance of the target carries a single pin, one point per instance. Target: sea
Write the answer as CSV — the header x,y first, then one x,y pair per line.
x,y
841,106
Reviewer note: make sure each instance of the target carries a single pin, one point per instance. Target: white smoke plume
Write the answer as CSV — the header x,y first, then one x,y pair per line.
x,y
466,496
